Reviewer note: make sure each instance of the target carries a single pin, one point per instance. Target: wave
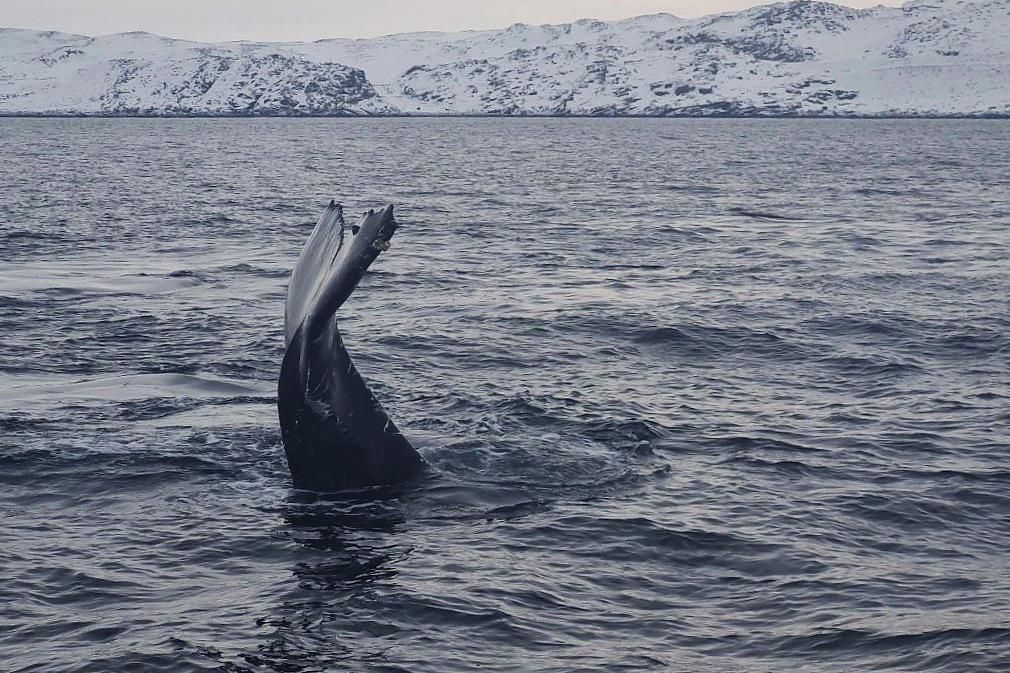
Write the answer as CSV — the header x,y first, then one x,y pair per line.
x,y
763,214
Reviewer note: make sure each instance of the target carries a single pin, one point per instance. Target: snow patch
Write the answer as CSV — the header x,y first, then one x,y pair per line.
x,y
928,57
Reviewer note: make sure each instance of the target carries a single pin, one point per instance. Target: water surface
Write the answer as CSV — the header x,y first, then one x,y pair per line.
x,y
697,395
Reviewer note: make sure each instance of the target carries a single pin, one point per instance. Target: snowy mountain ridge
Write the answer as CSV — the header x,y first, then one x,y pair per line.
x,y
799,58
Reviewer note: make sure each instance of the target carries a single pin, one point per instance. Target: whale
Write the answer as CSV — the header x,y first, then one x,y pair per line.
x,y
336,434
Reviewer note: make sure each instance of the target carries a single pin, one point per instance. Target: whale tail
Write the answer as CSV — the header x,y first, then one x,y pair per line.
x,y
325,241
336,434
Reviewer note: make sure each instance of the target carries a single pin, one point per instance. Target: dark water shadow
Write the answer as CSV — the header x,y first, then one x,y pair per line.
x,y
348,549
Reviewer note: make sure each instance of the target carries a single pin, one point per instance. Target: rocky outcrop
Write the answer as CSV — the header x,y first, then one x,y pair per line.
x,y
801,58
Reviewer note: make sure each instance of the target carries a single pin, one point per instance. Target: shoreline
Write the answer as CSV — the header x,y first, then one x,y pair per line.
x,y
208,115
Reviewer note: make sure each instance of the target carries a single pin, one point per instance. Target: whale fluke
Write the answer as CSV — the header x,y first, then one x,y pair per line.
x,y
336,434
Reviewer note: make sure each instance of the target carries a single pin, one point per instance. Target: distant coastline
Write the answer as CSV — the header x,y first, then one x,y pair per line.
x,y
836,117
941,59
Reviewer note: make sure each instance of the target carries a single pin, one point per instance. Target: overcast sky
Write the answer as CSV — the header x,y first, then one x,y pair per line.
x,y
316,19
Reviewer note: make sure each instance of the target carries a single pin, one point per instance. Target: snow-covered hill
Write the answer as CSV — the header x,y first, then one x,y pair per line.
x,y
928,57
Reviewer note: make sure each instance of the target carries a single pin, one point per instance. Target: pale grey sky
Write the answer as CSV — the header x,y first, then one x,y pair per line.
x,y
315,19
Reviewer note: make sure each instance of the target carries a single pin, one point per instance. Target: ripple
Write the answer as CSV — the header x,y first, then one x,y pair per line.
x,y
669,424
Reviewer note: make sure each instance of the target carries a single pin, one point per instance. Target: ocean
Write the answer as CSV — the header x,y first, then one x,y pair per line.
x,y
696,395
